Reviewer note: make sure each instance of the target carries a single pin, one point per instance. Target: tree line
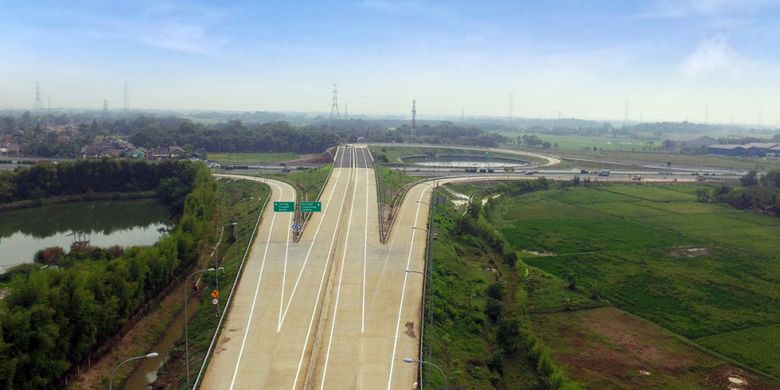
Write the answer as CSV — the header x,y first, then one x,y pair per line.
x,y
755,192
54,318
233,135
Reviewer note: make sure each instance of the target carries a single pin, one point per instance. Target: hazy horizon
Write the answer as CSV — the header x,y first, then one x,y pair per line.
x,y
670,59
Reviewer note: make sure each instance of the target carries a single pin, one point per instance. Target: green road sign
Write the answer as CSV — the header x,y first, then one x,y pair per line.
x,y
311,207
284,207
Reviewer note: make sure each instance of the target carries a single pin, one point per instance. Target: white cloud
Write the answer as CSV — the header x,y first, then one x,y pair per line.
x,y
184,38
715,57
668,9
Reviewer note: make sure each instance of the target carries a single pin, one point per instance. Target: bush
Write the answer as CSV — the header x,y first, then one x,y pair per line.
x,y
49,255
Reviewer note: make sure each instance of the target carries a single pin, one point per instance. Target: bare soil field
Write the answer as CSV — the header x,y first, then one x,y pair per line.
x,y
609,348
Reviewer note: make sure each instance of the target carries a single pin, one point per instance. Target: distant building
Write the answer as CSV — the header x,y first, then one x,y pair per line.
x,y
774,152
755,149
107,147
10,149
689,145
165,153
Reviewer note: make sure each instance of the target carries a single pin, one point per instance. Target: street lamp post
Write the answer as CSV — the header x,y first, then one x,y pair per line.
x,y
446,380
186,322
111,378
216,257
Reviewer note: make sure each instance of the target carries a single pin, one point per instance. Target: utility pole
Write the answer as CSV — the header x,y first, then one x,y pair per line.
x,y
38,105
414,120
627,111
334,107
125,97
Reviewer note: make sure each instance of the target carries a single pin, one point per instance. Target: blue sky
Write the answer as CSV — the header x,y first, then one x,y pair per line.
x,y
669,58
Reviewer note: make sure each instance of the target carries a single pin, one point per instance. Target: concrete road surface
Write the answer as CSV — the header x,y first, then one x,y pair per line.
x,y
335,310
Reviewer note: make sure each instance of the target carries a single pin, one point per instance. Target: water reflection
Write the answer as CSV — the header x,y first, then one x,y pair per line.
x,y
105,223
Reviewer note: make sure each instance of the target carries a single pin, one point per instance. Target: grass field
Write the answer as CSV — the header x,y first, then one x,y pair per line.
x,y
244,158
394,153
580,142
678,160
704,271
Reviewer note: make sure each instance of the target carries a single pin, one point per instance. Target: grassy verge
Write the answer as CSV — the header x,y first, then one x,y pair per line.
x,y
477,327
246,158
393,154
390,182
309,182
232,208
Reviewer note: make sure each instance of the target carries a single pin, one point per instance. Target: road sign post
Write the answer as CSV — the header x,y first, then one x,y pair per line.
x,y
311,207
284,207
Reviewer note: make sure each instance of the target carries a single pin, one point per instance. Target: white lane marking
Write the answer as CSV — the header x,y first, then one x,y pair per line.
x,y
403,290
365,254
282,316
257,288
319,291
338,290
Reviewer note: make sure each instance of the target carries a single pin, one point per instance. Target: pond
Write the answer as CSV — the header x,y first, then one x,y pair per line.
x,y
103,223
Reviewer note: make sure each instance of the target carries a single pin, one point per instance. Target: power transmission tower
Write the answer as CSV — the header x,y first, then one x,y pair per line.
x,y
462,114
49,105
334,108
627,111
707,113
125,97
105,108
346,112
38,105
760,116
414,120
511,104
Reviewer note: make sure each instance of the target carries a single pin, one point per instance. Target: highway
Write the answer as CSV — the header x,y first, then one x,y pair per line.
x,y
337,309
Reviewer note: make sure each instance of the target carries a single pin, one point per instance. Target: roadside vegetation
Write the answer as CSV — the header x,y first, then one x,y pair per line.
x,y
55,318
309,181
233,205
704,271
477,327
248,158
